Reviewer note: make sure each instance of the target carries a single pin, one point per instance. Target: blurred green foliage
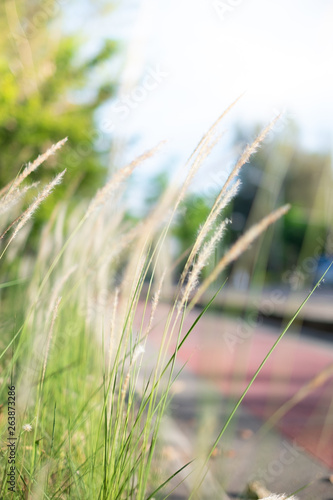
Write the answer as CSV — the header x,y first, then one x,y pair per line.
x,y
49,90
192,215
282,171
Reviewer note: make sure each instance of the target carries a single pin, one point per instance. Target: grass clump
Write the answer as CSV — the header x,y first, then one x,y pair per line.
x,y
91,391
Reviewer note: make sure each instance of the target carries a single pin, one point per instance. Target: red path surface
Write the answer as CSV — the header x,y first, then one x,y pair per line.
x,y
224,351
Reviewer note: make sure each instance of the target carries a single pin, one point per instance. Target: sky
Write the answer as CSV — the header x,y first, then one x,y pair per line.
x,y
184,61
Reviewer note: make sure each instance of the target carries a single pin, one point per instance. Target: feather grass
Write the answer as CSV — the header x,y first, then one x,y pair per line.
x,y
105,446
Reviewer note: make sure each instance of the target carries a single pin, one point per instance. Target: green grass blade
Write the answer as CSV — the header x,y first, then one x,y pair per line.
x,y
168,480
7,284
257,373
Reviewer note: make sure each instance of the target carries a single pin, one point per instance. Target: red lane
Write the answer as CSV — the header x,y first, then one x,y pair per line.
x,y
226,352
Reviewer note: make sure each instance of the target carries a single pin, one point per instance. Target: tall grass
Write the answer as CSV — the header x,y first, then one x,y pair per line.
x,y
90,399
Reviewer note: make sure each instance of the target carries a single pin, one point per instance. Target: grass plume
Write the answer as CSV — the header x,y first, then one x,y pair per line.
x,y
97,399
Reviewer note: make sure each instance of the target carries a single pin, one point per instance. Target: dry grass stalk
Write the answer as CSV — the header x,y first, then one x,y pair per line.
x,y
212,129
132,276
202,260
31,167
8,201
249,150
54,316
225,196
170,199
207,226
319,380
138,351
27,214
112,251
103,194
155,302
57,288
205,150
239,247
112,327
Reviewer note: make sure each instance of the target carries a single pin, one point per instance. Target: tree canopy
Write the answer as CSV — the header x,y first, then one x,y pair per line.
x,y
50,90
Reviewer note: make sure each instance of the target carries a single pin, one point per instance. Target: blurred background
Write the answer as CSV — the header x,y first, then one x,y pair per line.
x,y
119,77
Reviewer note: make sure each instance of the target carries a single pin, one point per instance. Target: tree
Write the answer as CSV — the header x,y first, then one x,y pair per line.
x,y
49,90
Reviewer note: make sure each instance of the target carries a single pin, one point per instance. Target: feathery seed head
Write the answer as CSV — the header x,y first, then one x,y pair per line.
x,y
137,352
240,246
104,194
31,167
38,200
12,197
